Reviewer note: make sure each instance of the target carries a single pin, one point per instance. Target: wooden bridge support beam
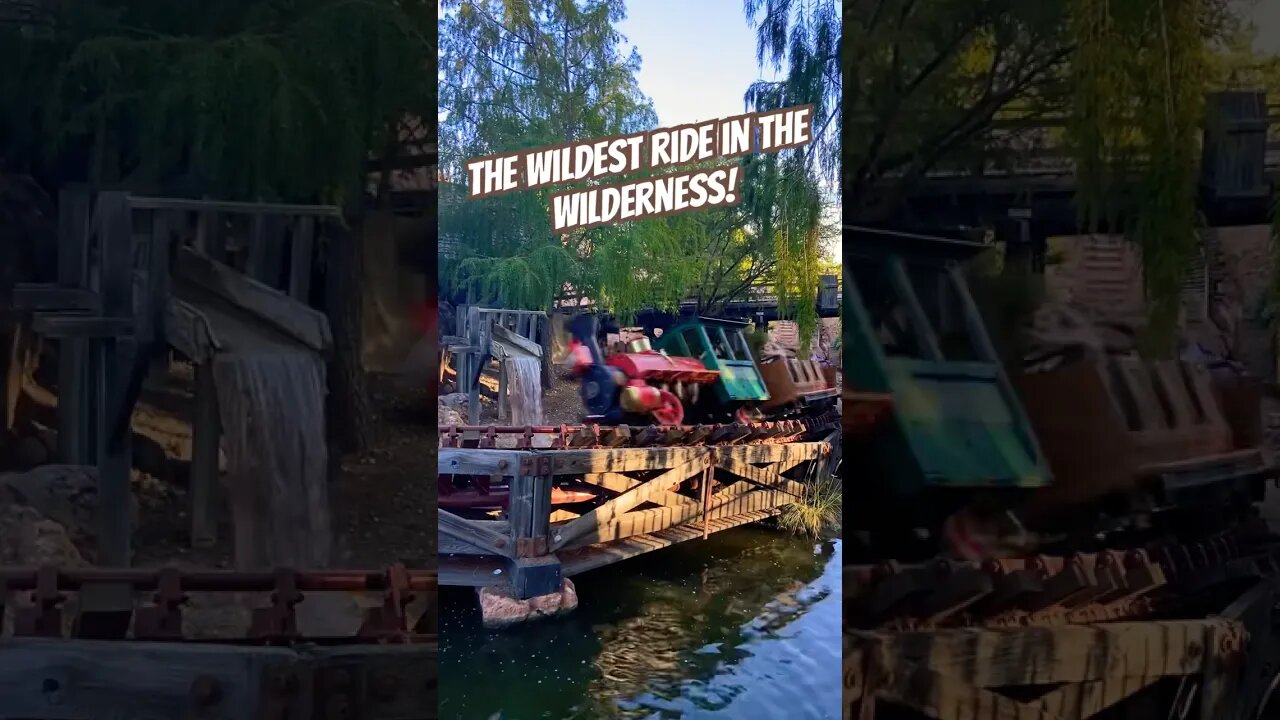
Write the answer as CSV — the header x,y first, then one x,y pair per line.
x,y
650,498
206,431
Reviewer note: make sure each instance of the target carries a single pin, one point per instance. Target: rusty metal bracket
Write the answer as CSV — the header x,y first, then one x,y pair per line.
x,y
43,618
278,622
535,466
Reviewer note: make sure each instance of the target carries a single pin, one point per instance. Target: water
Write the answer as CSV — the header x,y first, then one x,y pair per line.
x,y
743,625
272,410
524,390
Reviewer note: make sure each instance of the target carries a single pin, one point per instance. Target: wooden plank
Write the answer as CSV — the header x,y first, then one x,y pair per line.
x,y
206,429
301,253
991,657
73,325
470,461
239,208
44,296
580,560
488,542
472,571
302,323
45,678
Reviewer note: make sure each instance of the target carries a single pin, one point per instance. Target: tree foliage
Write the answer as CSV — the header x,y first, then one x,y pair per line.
x,y
802,40
926,81
275,99
1139,74
518,74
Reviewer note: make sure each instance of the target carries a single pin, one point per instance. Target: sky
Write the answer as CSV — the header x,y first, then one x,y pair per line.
x,y
697,59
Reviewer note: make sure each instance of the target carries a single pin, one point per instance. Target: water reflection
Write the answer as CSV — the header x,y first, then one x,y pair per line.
x,y
743,625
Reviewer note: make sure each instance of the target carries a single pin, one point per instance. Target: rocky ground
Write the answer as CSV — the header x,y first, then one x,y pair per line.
x,y
383,504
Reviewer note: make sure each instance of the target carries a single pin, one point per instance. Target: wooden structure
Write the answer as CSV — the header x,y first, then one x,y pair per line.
x,y
472,348
137,275
216,681
1217,668
649,498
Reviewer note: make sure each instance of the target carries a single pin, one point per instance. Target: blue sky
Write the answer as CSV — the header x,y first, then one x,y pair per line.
x,y
697,60
698,57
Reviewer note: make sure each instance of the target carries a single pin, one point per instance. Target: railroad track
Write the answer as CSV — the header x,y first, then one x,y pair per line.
x,y
106,603
573,437
1106,586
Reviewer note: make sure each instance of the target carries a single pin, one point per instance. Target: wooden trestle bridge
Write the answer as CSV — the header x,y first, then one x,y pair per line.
x,y
539,530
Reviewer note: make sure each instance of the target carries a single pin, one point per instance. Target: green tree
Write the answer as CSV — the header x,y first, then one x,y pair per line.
x,y
526,74
263,99
802,41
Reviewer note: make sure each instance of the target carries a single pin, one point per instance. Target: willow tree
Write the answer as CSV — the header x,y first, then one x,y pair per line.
x,y
801,42
1139,75
241,99
519,74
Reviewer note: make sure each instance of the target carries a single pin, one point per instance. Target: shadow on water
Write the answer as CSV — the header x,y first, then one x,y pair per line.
x,y
743,625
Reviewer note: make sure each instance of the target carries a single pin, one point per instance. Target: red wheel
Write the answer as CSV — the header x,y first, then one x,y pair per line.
x,y
743,415
670,411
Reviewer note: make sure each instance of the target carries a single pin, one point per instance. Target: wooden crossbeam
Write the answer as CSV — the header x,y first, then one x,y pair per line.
x,y
607,513
473,534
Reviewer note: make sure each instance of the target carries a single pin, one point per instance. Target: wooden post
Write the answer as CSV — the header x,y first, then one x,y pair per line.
x,y
75,413
116,360
300,252
503,407
478,360
534,570
544,339
206,427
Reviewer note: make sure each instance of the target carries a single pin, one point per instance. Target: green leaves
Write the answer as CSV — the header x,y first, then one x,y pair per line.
x,y
280,99
1140,74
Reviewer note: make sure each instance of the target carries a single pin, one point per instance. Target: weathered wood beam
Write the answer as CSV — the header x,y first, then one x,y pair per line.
x,y
605,515
47,297
580,560
241,208
482,539
61,326
300,322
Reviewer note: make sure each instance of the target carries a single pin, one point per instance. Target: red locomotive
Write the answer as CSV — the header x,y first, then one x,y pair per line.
x,y
621,389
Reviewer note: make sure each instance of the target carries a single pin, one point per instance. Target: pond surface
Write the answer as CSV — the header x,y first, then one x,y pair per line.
x,y
745,624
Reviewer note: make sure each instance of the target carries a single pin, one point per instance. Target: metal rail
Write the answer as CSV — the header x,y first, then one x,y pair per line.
x,y
564,437
105,603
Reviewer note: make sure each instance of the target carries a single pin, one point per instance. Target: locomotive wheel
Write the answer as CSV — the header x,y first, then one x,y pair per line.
x,y
743,415
670,412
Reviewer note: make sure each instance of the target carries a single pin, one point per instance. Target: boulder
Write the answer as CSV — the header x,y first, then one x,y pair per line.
x,y
29,538
65,494
500,608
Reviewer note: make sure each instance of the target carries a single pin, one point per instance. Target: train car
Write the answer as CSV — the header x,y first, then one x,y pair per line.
x,y
980,464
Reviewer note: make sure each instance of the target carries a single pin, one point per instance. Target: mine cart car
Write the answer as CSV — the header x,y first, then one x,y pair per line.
x,y
798,385
720,345
913,330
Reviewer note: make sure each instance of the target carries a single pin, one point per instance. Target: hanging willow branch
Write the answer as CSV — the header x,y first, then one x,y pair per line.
x,y
1139,76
